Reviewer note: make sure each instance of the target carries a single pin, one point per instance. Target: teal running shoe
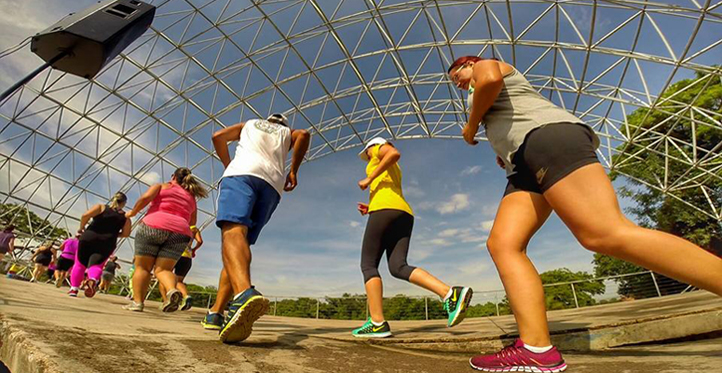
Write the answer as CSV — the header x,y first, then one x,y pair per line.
x,y
369,330
212,321
244,310
457,304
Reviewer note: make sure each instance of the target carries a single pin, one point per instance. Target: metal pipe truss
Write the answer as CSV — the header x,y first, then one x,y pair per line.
x,y
349,70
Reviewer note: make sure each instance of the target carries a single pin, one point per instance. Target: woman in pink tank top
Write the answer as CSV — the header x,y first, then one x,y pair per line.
x,y
163,235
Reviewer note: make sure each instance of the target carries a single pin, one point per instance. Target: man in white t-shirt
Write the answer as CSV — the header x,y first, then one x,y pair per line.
x,y
249,192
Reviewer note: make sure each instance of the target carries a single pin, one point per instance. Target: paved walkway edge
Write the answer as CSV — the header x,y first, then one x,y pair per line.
x,y
19,354
592,339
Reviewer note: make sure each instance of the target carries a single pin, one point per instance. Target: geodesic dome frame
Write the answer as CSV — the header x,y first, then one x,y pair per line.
x,y
350,70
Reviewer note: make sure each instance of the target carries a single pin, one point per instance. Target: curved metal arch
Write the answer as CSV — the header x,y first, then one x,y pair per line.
x,y
205,65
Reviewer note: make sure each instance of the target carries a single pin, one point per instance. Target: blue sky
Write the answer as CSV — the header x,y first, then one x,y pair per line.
x,y
312,245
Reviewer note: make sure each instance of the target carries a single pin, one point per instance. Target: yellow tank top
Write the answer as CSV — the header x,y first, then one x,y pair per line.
x,y
386,188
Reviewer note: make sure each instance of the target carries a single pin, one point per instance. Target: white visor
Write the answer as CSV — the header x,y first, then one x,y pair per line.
x,y
375,141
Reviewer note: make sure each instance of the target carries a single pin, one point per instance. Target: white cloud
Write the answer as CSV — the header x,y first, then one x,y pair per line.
x,y
440,242
449,232
486,225
458,202
471,170
354,224
413,192
150,178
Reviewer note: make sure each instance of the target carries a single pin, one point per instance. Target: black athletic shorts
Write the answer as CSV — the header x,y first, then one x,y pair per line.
x,y
44,260
64,264
549,154
183,266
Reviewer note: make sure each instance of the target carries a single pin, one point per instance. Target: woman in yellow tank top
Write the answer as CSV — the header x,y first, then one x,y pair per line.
x,y
388,229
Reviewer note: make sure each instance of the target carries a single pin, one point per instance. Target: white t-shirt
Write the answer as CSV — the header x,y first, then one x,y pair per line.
x,y
262,152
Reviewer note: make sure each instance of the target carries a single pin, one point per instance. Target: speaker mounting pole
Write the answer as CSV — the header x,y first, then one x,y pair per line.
x,y
30,76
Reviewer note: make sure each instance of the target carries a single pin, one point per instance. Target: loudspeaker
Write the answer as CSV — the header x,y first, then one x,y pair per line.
x,y
93,37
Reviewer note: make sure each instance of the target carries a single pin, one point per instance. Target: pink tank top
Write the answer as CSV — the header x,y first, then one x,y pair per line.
x,y
70,247
171,210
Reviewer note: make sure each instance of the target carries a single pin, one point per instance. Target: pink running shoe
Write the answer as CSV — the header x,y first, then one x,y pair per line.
x,y
90,288
516,358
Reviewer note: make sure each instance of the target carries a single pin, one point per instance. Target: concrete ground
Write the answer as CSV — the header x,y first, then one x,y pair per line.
x,y
43,330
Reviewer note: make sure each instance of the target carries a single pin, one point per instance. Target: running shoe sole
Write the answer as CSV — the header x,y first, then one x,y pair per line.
x,y
90,290
373,335
465,295
522,368
187,304
174,300
240,326
209,326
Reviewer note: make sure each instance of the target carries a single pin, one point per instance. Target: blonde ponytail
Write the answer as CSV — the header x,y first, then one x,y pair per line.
x,y
188,182
118,199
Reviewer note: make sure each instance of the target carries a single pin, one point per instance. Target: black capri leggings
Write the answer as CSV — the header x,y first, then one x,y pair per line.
x,y
389,231
94,249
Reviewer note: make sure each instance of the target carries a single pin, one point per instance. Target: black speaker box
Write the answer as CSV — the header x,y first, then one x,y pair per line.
x,y
93,37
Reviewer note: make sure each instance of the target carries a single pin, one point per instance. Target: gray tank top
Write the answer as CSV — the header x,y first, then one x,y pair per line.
x,y
518,110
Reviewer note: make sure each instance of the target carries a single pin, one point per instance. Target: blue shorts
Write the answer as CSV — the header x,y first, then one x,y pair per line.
x,y
246,200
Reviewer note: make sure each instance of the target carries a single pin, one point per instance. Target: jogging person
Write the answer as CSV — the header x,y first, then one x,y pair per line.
x,y
181,269
42,257
97,242
7,241
68,250
388,230
163,235
108,275
249,192
551,165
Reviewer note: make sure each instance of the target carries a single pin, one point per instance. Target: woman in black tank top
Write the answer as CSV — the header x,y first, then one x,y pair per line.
x,y
97,242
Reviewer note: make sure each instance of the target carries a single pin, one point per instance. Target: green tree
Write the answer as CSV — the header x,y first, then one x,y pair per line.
x,y
655,209
562,296
28,222
658,210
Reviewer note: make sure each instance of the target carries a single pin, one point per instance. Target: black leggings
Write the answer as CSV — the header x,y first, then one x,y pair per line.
x,y
389,231
94,249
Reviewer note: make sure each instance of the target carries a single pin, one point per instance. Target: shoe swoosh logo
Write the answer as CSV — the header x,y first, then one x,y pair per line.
x,y
453,298
375,329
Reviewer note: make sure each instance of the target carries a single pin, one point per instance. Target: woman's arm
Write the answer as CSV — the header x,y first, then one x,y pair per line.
x,y
488,82
222,138
389,156
11,245
93,212
144,200
199,241
126,228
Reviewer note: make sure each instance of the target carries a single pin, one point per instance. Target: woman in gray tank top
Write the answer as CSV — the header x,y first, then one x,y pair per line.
x,y
550,162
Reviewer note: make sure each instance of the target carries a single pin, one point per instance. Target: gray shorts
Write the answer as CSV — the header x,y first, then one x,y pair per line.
x,y
160,243
107,276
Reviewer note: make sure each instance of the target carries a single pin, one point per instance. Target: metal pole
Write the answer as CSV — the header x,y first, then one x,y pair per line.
x,y
497,308
209,300
426,307
574,291
30,76
654,279
275,305
367,309
318,306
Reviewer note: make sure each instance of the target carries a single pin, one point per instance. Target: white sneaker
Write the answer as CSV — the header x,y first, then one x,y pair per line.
x,y
136,307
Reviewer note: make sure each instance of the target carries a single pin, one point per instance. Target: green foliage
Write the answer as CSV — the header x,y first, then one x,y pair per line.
x,y
562,296
659,210
24,219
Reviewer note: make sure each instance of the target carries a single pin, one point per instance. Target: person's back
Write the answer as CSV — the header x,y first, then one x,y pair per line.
x,y
171,210
261,152
5,238
108,223
70,247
